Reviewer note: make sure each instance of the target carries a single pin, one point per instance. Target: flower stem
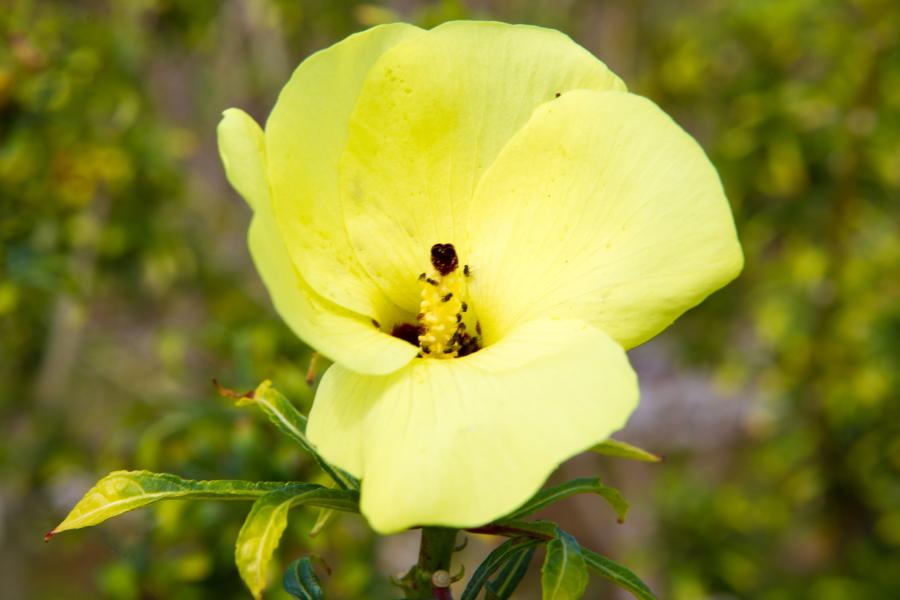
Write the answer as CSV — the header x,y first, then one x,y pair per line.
x,y
435,552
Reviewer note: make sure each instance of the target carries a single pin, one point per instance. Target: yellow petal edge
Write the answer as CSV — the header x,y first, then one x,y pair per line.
x,y
600,208
462,442
431,117
305,137
337,333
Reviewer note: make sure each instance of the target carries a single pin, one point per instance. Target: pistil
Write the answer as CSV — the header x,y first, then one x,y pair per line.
x,y
442,309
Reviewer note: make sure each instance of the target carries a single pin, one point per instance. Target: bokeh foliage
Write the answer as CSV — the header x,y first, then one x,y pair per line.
x,y
799,106
125,286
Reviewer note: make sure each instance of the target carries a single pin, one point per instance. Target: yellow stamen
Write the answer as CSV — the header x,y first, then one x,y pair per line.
x,y
441,313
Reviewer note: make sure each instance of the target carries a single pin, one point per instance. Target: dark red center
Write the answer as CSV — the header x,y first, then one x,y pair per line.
x,y
407,332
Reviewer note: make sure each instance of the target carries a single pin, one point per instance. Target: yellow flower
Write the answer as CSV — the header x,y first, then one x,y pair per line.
x,y
494,197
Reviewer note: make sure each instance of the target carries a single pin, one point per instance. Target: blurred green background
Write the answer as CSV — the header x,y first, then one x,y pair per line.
x,y
125,286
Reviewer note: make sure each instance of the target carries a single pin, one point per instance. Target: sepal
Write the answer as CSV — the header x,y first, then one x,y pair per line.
x,y
621,449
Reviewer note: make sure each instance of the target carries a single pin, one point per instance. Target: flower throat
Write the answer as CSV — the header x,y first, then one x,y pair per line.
x,y
441,330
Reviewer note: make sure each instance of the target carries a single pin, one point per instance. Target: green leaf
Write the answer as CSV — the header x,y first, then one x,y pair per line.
x,y
564,575
545,530
587,485
506,582
261,531
122,491
292,423
324,518
301,581
617,574
496,559
624,450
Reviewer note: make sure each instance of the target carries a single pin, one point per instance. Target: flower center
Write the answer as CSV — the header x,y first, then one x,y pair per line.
x,y
442,330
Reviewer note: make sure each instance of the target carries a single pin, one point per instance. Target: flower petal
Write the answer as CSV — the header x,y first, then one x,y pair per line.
x,y
343,336
305,136
601,208
242,150
461,442
431,117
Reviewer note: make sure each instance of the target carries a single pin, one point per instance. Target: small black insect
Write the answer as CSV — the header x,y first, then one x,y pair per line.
x,y
558,95
376,324
467,271
449,350
459,317
465,307
444,259
426,349
421,276
431,281
446,298
478,327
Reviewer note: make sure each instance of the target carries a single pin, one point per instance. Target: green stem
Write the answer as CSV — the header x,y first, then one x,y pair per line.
x,y
435,553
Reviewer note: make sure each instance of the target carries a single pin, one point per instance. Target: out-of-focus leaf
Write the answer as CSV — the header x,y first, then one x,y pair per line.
x,y
621,449
545,530
587,485
292,423
122,491
301,581
508,579
617,574
261,531
564,575
496,559
326,516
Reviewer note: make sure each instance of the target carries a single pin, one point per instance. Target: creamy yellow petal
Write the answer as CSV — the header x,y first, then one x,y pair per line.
x,y
461,442
601,208
305,136
431,117
242,150
343,336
